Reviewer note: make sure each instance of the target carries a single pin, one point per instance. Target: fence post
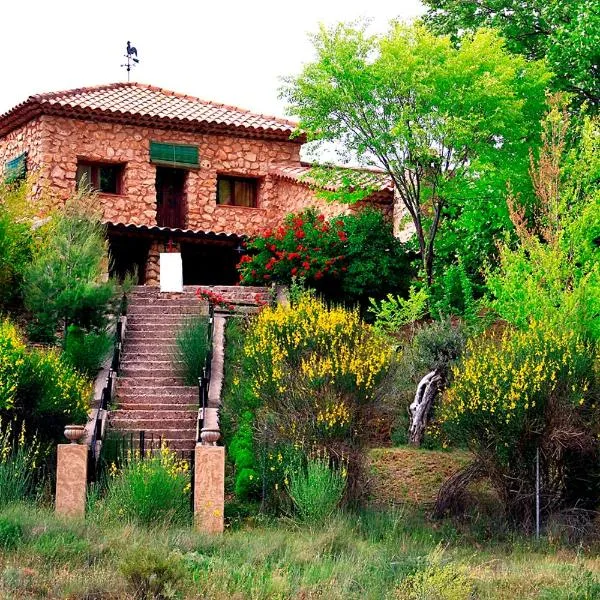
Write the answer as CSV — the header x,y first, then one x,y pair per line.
x,y
209,477
71,479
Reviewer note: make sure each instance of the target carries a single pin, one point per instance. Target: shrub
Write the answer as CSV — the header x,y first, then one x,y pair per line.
x,y
63,283
12,359
192,348
349,257
153,489
87,352
19,463
39,386
317,489
152,574
518,391
309,375
15,242
393,312
437,581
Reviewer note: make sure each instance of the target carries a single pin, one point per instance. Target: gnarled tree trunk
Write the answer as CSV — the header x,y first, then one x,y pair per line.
x,y
421,406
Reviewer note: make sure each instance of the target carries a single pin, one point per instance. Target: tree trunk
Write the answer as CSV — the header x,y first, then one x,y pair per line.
x,y
421,406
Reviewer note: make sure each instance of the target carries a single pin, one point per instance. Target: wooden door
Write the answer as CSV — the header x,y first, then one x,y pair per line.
x,y
170,186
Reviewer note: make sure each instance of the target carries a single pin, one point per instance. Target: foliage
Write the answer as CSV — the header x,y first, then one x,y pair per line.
x,y
309,373
553,274
520,390
453,293
150,490
192,347
151,574
347,257
19,463
15,242
317,489
439,581
393,312
39,386
86,352
63,284
563,32
432,115
11,533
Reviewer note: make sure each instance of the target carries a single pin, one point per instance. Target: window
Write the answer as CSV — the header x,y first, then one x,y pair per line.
x,y
105,178
174,155
236,191
16,169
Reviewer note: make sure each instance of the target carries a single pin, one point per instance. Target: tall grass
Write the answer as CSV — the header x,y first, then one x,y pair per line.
x,y
192,348
317,489
19,461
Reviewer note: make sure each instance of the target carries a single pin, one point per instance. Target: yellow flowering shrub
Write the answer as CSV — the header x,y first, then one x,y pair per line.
x,y
39,386
518,392
324,345
150,489
12,359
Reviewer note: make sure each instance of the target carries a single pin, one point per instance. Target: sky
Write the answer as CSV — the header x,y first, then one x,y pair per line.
x,y
227,51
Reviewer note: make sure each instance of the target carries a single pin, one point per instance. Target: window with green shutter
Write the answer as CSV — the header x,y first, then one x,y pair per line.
x,y
176,155
16,169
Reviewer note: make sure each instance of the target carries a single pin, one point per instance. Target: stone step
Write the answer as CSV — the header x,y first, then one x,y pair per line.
x,y
152,398
167,309
187,427
127,405
128,382
185,434
153,354
153,337
173,413
149,364
148,346
136,371
152,390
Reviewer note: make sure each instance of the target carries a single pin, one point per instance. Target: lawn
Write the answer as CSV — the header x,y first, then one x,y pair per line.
x,y
365,555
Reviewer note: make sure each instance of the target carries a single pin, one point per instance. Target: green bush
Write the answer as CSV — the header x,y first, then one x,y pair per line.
x,y
437,581
317,489
149,490
39,387
347,258
87,352
63,283
192,348
152,574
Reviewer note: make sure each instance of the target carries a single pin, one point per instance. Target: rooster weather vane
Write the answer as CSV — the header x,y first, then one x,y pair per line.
x,y
132,59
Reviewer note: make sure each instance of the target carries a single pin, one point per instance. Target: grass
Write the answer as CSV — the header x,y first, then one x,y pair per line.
x,y
367,555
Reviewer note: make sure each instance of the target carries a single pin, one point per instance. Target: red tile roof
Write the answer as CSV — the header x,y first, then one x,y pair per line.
x,y
150,106
378,180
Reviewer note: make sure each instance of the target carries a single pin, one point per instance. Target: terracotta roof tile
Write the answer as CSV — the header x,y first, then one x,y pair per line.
x,y
379,180
138,101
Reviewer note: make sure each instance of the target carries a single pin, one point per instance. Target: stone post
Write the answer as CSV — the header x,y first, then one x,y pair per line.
x,y
71,479
209,488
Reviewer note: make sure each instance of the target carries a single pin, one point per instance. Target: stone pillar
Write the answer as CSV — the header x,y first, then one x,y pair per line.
x,y
209,488
71,479
152,267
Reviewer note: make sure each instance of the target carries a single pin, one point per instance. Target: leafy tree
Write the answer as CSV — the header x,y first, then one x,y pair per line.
x,y
63,284
565,32
434,116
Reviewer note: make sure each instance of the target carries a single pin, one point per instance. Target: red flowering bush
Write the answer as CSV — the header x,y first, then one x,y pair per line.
x,y
214,299
305,245
351,257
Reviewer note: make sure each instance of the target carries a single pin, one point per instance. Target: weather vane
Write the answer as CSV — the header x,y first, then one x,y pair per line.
x,y
131,57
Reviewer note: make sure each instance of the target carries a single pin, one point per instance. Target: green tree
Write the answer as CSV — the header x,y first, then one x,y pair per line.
x,y
565,32
432,115
63,284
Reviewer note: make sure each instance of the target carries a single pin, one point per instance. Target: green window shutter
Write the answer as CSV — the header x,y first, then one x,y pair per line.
x,y
16,169
174,154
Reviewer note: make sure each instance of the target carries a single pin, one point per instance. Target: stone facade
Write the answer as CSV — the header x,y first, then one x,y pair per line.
x,y
55,144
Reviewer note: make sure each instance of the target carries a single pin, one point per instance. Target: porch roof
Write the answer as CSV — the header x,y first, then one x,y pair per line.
x,y
175,233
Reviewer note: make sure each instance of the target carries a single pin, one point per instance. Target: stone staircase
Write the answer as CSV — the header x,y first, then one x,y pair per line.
x,y
151,394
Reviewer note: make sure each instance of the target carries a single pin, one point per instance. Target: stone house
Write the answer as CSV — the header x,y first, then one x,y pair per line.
x,y
170,171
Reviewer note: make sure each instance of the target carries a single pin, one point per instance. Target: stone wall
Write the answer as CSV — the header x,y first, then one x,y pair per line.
x,y
55,144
